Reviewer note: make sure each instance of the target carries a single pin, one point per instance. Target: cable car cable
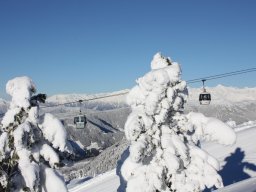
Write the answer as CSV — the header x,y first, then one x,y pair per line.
x,y
222,75
82,100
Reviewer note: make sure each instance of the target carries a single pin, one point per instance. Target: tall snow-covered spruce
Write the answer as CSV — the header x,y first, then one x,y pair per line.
x,y
164,152
29,143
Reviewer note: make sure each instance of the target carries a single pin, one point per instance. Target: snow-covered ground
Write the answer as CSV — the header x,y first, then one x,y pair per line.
x,y
238,164
107,182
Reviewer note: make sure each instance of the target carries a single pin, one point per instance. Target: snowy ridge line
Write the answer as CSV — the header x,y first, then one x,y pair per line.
x,y
93,181
245,127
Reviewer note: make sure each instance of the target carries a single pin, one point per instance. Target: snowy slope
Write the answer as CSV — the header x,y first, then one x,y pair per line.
x,y
248,185
238,163
107,182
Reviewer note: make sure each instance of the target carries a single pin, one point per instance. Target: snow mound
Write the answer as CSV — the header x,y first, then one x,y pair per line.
x,y
212,129
54,131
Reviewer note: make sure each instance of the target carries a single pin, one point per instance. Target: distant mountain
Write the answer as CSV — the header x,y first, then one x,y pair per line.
x,y
228,103
221,95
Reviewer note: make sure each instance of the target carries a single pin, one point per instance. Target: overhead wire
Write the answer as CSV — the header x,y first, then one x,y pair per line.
x,y
219,76
90,99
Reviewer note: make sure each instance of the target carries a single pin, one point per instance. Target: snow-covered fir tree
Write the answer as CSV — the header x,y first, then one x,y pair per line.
x,y
29,143
164,152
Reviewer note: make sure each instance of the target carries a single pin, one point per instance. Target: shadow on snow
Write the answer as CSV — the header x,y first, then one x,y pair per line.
x,y
233,170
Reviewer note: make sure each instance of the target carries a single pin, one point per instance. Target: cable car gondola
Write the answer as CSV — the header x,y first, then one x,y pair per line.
x,y
204,97
80,121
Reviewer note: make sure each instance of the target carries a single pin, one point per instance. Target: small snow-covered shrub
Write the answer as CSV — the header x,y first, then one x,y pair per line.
x,y
164,152
29,143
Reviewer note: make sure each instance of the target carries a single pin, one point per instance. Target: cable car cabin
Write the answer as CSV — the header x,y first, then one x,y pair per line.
x,y
205,98
80,121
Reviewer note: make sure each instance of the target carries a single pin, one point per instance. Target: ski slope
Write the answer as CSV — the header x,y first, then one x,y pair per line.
x,y
238,163
248,185
107,182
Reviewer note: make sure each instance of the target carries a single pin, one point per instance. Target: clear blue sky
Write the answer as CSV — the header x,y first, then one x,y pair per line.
x,y
92,46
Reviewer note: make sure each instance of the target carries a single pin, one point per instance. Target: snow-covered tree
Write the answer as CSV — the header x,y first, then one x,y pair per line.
x,y
164,152
30,143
